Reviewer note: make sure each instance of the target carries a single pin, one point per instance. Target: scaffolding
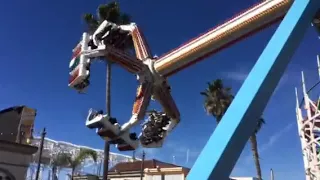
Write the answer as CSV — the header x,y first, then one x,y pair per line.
x,y
52,147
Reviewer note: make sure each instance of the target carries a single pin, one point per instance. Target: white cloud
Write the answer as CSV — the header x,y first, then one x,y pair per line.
x,y
183,152
275,137
150,153
270,142
241,76
236,76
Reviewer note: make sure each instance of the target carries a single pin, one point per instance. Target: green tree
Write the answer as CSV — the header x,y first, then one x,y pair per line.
x,y
59,161
110,12
217,100
75,162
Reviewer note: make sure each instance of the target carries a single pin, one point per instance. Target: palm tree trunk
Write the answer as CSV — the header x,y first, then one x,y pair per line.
x,y
108,111
53,172
254,149
72,173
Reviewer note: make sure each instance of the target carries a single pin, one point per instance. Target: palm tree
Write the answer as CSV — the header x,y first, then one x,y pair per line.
x,y
110,12
75,162
217,100
58,161
254,147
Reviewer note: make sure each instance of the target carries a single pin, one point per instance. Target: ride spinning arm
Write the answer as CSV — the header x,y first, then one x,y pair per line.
x,y
109,42
152,73
235,29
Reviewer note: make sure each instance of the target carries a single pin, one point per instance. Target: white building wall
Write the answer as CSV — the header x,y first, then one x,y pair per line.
x,y
243,178
126,178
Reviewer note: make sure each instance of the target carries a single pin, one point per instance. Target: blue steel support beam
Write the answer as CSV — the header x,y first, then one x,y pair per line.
x,y
225,145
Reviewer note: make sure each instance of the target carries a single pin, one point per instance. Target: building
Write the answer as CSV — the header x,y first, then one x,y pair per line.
x,y
16,125
152,170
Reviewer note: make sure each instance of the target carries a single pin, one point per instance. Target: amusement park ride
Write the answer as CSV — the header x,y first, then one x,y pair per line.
x,y
110,41
309,129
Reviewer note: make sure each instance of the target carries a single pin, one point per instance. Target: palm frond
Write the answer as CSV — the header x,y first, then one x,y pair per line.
x,y
61,159
124,19
204,94
111,12
217,98
103,12
260,123
91,21
84,154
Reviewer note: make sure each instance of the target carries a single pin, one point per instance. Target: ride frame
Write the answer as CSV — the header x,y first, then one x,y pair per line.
x,y
227,141
309,129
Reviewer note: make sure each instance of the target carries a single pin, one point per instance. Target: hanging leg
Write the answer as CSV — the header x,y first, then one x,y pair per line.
x,y
226,143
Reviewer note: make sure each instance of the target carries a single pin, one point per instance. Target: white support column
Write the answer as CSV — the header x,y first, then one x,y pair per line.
x,y
318,62
301,135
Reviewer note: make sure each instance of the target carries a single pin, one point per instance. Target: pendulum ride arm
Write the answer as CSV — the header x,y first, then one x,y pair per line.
x,y
152,74
110,40
140,105
144,90
154,131
254,19
140,44
125,60
141,47
137,66
163,96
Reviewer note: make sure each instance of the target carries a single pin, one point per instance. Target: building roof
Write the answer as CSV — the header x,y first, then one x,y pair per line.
x,y
136,165
18,109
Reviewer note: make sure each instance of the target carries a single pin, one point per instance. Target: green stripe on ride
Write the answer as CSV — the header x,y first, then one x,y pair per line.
x,y
74,63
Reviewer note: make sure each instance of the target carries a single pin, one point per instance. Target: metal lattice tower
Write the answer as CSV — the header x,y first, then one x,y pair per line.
x,y
51,148
308,121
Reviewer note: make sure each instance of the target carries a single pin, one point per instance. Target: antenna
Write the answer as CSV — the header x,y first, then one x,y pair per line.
x,y
187,158
173,160
134,156
272,175
297,98
303,84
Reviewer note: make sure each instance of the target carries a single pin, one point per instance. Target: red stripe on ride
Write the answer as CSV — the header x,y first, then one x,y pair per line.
x,y
74,76
225,46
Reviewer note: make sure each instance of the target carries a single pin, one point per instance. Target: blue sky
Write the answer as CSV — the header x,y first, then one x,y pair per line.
x,y
38,36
